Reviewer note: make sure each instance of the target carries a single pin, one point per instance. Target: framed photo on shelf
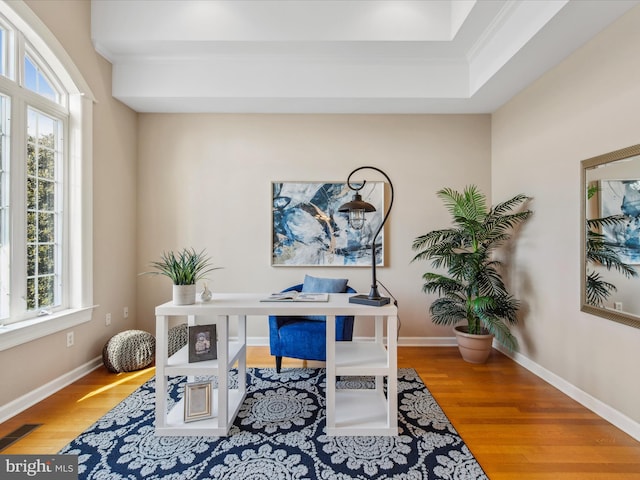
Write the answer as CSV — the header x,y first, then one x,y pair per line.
x,y
197,401
202,343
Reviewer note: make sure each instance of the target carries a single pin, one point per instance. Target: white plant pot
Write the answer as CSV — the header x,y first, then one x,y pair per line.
x,y
184,294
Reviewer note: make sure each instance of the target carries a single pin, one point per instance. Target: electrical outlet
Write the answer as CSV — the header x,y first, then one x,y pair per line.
x,y
107,319
126,312
70,339
617,306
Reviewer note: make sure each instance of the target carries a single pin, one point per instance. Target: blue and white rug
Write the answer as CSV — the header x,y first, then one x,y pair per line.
x,y
278,434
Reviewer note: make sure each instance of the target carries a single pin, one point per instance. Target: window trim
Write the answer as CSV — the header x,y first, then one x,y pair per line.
x,y
14,334
80,154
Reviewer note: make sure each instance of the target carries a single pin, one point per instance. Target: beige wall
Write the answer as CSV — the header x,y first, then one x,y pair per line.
x,y
205,182
585,107
114,215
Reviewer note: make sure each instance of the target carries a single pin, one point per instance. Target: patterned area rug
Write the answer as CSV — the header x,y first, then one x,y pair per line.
x,y
278,434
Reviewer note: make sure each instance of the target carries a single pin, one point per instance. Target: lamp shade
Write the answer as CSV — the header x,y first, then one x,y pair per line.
x,y
357,204
357,209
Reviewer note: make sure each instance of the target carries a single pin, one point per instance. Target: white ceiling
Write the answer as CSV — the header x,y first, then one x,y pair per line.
x,y
337,56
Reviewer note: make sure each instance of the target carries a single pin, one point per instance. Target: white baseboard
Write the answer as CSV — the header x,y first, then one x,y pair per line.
x,y
598,407
20,404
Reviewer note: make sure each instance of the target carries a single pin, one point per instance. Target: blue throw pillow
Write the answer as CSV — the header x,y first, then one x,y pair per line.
x,y
324,285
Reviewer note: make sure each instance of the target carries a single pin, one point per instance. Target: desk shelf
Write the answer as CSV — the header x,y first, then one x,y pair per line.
x,y
176,426
225,401
357,412
178,363
361,412
361,358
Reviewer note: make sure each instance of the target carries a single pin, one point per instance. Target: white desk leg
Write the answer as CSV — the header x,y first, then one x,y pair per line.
x,y
242,361
379,336
161,379
392,381
191,321
330,378
223,372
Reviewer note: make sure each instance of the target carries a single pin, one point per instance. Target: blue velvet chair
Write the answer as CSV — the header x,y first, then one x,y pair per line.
x,y
305,337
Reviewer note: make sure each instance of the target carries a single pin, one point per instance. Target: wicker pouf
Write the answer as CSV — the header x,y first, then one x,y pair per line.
x,y
129,351
178,338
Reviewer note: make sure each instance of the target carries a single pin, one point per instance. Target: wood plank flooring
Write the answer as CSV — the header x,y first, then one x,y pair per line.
x,y
517,426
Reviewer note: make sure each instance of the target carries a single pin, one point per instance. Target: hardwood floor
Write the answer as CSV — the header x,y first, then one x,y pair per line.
x,y
516,425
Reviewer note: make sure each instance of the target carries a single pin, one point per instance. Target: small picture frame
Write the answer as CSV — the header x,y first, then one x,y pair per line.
x,y
197,401
202,343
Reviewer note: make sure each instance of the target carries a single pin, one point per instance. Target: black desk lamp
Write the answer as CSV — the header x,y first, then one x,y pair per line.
x,y
357,208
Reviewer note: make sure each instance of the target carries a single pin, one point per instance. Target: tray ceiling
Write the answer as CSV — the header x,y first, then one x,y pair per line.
x,y
337,56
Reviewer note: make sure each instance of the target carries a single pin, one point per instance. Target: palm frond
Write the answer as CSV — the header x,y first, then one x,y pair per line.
x,y
470,204
185,267
501,331
598,290
611,220
599,251
509,205
447,311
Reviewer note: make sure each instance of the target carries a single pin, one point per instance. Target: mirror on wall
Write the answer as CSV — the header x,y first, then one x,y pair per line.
x,y
611,236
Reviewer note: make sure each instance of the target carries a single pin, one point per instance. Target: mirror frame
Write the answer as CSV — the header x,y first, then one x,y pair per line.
x,y
617,316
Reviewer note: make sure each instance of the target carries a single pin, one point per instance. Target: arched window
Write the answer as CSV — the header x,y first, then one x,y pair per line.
x,y
45,183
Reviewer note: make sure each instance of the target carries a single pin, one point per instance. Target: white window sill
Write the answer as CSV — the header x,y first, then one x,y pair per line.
x,y
18,333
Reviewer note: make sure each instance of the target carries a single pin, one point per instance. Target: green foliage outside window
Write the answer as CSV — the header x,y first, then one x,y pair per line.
x,y
41,221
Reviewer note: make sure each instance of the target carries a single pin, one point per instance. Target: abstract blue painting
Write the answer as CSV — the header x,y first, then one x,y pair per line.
x,y
308,230
622,197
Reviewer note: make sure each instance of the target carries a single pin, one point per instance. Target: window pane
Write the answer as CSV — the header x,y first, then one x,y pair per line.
x,y
31,294
46,132
46,163
30,75
3,52
31,260
46,225
45,89
36,80
32,185
43,213
46,195
32,227
46,292
46,260
31,158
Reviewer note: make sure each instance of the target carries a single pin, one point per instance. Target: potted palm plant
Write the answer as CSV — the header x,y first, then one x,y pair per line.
x,y
184,268
472,289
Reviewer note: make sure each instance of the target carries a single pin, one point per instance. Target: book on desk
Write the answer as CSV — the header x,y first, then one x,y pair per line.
x,y
296,297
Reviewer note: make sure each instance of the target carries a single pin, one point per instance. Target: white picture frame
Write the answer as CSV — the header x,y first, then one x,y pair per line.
x,y
198,403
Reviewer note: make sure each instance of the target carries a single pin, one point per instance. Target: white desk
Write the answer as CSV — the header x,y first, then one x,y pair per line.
x,y
349,412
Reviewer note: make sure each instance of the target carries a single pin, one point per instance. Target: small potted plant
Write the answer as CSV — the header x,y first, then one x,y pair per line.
x,y
184,268
472,289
